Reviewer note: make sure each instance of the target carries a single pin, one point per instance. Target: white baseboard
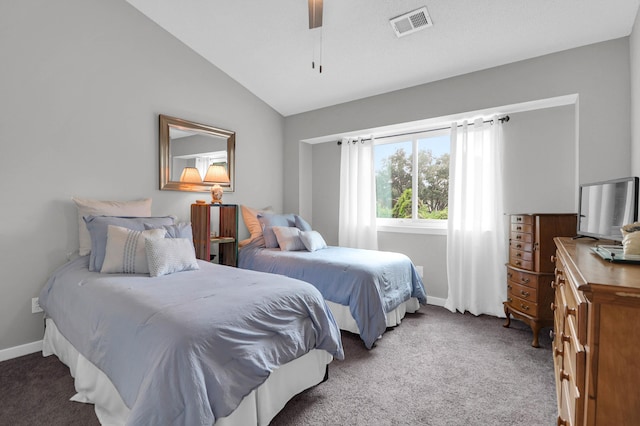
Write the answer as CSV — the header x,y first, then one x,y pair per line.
x,y
438,301
16,351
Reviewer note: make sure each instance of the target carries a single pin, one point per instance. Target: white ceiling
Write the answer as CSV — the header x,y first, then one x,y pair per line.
x,y
267,47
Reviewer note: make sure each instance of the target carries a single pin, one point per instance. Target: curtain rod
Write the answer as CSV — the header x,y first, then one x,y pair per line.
x,y
501,119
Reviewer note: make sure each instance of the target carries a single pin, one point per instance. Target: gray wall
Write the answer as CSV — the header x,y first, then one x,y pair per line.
x,y
83,82
540,156
599,74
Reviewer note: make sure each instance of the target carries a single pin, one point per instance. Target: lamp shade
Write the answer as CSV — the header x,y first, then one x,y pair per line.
x,y
190,175
216,174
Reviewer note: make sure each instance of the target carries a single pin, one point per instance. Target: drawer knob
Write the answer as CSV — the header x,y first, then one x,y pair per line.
x,y
518,262
523,306
564,375
518,237
553,258
553,306
525,280
562,422
518,245
509,287
519,228
509,299
519,219
569,311
518,254
558,352
564,337
524,293
509,274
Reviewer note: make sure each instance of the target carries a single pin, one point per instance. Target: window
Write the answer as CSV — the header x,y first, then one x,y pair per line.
x,y
412,187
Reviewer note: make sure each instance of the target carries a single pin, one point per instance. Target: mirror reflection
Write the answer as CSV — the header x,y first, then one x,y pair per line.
x,y
195,157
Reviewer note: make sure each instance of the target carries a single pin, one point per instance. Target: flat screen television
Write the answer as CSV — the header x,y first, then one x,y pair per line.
x,y
607,206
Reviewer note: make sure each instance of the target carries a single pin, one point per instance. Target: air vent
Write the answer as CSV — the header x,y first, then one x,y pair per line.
x,y
411,22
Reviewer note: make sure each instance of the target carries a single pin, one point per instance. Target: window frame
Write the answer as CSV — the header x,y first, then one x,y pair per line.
x,y
414,224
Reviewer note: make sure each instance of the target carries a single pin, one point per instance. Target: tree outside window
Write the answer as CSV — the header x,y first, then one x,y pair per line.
x,y
396,180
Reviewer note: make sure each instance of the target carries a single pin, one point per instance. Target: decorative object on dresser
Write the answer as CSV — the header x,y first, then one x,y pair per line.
x,y
530,270
595,336
226,235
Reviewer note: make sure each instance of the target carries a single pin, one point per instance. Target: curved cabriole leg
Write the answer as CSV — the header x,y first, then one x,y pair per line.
x,y
536,329
506,312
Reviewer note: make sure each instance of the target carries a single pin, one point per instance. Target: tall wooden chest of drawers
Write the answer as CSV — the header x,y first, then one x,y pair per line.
x,y
530,269
596,345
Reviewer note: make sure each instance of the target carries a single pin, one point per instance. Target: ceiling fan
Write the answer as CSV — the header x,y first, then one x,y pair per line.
x,y
315,21
315,14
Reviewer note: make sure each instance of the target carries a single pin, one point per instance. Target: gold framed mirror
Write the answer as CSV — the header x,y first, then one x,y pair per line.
x,y
188,151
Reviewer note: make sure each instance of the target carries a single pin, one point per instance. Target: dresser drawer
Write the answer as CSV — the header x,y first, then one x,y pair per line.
x,y
527,307
514,255
522,278
526,293
521,227
521,236
521,245
522,264
522,218
567,406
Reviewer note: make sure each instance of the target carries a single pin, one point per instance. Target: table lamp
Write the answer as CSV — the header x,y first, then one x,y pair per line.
x,y
216,175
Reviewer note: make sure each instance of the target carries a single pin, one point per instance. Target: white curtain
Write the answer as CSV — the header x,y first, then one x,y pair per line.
x,y
476,241
357,217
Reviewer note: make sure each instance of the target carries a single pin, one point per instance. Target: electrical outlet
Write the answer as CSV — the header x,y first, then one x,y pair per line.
x,y
35,306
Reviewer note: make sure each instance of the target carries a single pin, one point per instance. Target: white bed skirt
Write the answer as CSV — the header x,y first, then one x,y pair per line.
x,y
257,408
345,320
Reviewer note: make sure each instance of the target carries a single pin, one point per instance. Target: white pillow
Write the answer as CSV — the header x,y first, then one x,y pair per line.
x,y
288,238
169,255
88,207
125,252
312,240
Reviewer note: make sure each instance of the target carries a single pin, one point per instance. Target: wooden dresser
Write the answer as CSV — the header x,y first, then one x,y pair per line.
x,y
530,270
596,345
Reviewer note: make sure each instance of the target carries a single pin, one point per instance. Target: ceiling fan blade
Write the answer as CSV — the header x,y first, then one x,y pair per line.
x,y
315,14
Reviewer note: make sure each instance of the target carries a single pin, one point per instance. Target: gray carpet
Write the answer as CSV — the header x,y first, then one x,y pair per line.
x,y
436,368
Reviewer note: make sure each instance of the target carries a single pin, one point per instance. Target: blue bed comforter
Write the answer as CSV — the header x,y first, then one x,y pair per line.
x,y
186,348
370,282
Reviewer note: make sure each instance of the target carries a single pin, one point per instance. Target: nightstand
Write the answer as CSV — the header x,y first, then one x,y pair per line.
x,y
226,236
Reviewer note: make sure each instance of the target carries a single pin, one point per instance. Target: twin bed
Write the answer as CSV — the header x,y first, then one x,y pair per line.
x,y
190,342
366,290
216,345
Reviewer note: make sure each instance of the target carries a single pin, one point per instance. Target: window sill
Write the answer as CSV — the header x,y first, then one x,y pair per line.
x,y
409,227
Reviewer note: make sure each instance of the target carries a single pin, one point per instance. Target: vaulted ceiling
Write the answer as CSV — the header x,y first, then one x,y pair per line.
x,y
267,46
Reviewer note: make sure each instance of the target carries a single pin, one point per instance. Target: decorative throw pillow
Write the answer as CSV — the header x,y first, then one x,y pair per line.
x,y
312,240
250,217
302,224
97,226
88,207
268,221
170,255
125,251
288,238
179,230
